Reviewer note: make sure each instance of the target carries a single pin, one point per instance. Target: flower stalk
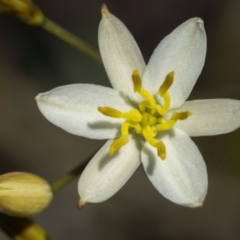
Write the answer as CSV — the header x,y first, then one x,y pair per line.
x,y
69,38
70,176
29,13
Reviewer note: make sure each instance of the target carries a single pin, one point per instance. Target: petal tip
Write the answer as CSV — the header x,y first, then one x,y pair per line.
x,y
37,98
200,204
81,203
199,21
197,204
104,10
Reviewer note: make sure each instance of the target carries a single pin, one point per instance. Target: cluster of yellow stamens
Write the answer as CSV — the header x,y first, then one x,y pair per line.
x,y
149,119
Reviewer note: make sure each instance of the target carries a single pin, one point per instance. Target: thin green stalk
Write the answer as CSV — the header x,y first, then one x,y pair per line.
x,y
71,39
70,176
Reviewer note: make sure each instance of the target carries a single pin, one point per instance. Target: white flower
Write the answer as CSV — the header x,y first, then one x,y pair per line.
x,y
145,116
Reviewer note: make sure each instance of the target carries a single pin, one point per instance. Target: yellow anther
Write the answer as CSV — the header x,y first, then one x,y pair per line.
x,y
175,116
181,115
148,134
134,115
166,84
110,112
161,149
137,82
118,143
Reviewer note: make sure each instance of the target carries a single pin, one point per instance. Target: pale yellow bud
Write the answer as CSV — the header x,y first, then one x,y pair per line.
x,y
30,232
22,228
23,9
23,194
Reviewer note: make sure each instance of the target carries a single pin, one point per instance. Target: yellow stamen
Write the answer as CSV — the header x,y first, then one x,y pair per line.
x,y
166,105
175,116
148,119
161,150
181,115
133,115
148,135
161,120
118,143
110,112
166,84
149,97
164,94
143,105
167,125
137,82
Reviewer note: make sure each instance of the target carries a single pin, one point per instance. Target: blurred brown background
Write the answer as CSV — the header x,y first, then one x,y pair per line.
x,y
32,61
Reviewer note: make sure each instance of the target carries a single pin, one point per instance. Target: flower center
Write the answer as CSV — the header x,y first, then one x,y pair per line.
x,y
149,118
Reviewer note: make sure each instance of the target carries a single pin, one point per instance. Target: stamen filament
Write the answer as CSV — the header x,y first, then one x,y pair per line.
x,y
167,125
148,96
137,83
143,105
167,102
175,116
118,143
148,135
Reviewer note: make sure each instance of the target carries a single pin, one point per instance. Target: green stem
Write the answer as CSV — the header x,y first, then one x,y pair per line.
x,y
64,180
70,39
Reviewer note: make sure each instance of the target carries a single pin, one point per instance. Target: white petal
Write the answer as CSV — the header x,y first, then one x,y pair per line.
x,y
183,51
75,109
105,175
210,117
120,54
182,176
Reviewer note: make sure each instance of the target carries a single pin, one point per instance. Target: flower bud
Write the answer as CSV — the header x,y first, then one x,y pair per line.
x,y
22,228
23,194
23,9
